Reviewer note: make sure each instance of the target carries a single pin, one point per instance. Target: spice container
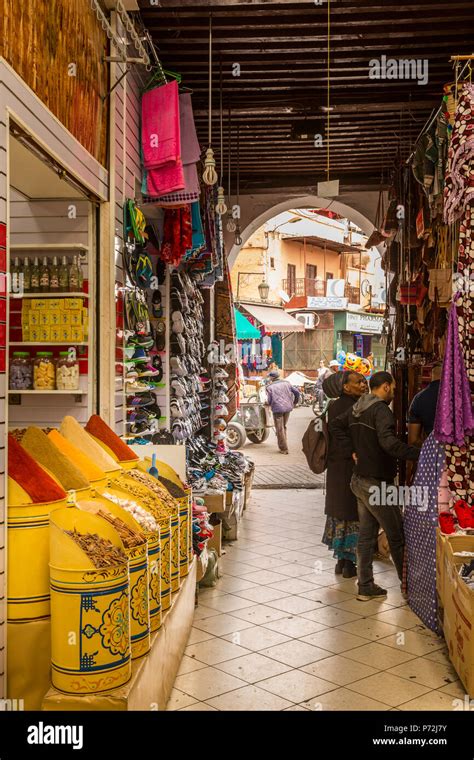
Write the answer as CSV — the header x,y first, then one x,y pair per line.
x,y
44,375
67,372
21,371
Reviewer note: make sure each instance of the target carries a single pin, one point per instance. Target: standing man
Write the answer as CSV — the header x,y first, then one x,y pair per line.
x,y
322,370
422,413
371,426
323,374
282,397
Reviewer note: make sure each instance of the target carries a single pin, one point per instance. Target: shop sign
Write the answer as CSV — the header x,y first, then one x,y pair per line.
x,y
327,302
370,323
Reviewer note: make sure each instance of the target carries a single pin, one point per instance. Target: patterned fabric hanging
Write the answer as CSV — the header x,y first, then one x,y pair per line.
x,y
420,534
459,204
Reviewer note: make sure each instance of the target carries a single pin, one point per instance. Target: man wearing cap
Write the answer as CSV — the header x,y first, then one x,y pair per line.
x,y
282,397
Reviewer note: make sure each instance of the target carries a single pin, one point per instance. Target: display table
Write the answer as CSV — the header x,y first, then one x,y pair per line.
x,y
153,675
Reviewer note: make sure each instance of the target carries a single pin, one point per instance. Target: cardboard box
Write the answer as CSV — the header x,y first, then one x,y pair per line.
x,y
56,333
65,318
458,621
45,333
55,304
216,541
44,318
55,317
39,304
77,333
215,502
73,303
34,318
75,316
65,333
34,333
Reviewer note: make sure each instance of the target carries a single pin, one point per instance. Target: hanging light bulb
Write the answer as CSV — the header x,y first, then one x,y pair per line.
x,y
237,238
210,175
231,225
221,206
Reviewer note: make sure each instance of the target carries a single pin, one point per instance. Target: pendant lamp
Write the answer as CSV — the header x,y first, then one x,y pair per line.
x,y
210,175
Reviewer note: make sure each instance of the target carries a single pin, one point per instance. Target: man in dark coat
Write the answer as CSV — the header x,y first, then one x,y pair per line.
x,y
342,527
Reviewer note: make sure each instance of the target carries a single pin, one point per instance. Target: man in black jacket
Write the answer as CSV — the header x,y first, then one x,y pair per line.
x,y
371,427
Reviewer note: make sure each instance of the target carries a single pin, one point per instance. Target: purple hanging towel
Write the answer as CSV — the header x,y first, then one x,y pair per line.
x,y
454,414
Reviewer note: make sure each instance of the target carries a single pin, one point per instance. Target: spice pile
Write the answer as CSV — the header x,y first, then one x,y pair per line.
x,y
152,503
101,551
154,485
143,518
174,490
130,537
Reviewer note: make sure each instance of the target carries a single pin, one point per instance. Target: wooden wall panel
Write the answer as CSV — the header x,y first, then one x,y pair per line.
x,y
43,42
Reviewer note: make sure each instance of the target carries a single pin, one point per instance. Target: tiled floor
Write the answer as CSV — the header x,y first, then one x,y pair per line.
x,y
282,632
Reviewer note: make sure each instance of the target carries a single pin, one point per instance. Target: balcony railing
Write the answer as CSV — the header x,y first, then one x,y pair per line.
x,y
308,287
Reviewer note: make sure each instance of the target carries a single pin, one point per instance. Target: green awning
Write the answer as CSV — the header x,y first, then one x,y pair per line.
x,y
245,329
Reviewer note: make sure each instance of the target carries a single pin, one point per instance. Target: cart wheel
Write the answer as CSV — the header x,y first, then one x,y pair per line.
x,y
259,437
235,435
316,408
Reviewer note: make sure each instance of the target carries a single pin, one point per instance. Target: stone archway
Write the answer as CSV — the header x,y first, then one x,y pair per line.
x,y
258,209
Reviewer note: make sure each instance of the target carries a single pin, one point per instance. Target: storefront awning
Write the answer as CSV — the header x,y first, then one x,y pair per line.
x,y
244,329
274,319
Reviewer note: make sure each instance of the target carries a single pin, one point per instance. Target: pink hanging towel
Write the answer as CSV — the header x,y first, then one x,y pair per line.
x,y
161,139
166,179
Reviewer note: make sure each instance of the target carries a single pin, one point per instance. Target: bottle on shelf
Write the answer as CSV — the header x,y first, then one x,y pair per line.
x,y
81,275
15,276
63,276
26,275
35,276
44,276
54,275
74,276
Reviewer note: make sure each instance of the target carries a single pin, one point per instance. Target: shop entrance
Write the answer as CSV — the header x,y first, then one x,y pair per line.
x,y
50,356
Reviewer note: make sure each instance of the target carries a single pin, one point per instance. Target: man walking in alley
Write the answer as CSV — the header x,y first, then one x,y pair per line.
x,y
282,397
371,427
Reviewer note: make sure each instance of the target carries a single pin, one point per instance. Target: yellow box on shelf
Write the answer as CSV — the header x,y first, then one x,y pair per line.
x,y
44,333
34,318
90,620
54,317
54,304
77,333
64,319
73,303
65,333
38,304
75,316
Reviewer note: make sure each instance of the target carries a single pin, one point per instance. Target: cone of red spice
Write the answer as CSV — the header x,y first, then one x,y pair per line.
x,y
101,431
23,469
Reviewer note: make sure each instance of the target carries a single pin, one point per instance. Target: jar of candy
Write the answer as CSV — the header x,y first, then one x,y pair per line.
x,y
21,372
67,371
44,375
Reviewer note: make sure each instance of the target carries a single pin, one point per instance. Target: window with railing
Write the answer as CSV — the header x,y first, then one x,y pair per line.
x,y
305,286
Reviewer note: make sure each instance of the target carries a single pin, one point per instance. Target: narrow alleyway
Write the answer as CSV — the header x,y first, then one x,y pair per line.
x,y
281,631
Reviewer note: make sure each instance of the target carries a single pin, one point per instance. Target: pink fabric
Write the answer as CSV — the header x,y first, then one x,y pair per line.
x,y
454,413
189,194
161,134
172,178
166,179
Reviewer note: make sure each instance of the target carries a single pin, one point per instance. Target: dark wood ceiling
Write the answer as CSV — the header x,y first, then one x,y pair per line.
x,y
281,47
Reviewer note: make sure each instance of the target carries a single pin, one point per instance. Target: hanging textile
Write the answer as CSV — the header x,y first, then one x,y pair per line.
x,y
225,330
177,235
420,520
454,415
190,152
459,205
161,140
